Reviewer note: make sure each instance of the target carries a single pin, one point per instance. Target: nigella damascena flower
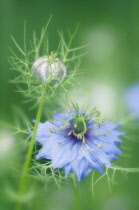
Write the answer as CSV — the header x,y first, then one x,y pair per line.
x,y
49,69
78,143
132,99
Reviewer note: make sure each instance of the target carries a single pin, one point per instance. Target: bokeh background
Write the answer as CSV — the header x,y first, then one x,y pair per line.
x,y
111,30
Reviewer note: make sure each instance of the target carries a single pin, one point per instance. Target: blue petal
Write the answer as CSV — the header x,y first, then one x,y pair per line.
x,y
101,157
60,119
78,167
132,99
63,154
111,148
49,143
43,129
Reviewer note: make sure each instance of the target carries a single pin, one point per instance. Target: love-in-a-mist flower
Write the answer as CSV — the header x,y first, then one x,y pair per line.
x,y
132,99
49,69
78,142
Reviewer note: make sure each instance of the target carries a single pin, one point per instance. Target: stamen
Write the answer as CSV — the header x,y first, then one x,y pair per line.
x,y
61,143
52,130
70,132
107,133
60,120
83,139
85,148
100,145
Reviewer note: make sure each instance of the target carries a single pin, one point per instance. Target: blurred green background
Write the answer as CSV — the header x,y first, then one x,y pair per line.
x,y
112,30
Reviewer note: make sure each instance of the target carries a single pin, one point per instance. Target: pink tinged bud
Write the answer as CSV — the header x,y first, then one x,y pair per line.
x,y
49,69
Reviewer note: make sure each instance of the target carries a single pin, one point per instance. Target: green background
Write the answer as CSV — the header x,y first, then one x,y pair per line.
x,y
113,28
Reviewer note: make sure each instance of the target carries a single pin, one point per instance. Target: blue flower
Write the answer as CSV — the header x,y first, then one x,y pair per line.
x,y
78,142
132,99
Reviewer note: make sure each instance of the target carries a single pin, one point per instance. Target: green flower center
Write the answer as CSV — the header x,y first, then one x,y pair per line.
x,y
79,126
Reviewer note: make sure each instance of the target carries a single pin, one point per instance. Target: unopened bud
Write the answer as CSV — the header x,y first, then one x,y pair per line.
x,y
49,69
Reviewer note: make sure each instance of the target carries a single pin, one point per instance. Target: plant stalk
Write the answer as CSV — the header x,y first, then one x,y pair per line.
x,y
23,180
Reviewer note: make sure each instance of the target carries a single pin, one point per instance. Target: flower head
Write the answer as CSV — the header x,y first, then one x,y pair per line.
x,y
132,99
78,142
49,68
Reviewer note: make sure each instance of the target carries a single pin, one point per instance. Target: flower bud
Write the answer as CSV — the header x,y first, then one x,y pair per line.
x,y
49,69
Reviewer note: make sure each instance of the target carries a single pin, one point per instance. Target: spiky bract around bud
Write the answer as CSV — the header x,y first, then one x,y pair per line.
x,y
38,75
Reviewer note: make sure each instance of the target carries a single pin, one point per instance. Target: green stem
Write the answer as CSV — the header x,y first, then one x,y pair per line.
x,y
77,205
23,180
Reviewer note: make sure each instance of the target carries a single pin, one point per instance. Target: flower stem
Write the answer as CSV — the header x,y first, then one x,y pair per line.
x,y
76,200
23,179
